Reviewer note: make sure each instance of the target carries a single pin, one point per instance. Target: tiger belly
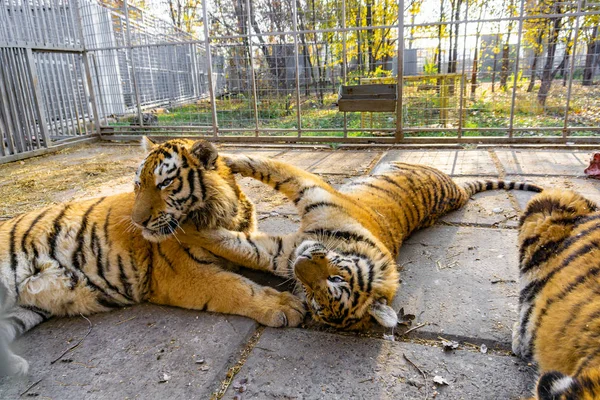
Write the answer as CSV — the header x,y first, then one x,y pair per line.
x,y
70,259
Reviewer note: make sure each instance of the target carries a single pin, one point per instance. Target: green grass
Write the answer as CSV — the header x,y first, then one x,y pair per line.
x,y
421,109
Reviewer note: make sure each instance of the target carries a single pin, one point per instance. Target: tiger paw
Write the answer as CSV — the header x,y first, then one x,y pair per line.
x,y
280,309
13,365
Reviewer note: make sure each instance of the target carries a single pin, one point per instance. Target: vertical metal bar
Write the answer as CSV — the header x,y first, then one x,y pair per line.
x,y
13,101
21,97
462,75
516,72
297,66
571,69
31,107
58,95
131,59
344,61
4,96
251,53
43,22
26,105
100,96
46,97
211,89
37,98
400,86
70,99
76,12
73,63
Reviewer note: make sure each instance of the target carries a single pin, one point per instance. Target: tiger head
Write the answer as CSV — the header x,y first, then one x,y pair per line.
x,y
184,180
554,385
348,284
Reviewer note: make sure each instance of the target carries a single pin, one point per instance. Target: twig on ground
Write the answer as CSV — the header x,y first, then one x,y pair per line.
x,y
78,343
414,328
422,373
125,320
30,387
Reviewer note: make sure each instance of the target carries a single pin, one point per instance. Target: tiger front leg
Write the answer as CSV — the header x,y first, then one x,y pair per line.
x,y
257,251
208,287
291,181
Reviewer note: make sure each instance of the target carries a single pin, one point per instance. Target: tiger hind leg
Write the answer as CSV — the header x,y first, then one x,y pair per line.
x,y
14,323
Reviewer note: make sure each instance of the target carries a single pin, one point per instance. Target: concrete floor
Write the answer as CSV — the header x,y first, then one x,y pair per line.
x,y
459,278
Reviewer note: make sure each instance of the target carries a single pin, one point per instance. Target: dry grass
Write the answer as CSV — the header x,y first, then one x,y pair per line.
x,y
69,174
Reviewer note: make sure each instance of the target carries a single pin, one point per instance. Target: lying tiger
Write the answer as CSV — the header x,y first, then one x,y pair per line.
x,y
344,253
86,257
559,303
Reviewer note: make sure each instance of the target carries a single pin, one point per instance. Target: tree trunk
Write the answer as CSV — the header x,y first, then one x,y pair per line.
x,y
592,52
369,21
536,56
547,73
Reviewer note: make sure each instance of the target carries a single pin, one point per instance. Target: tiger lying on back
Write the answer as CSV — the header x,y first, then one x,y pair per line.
x,y
344,253
559,303
86,257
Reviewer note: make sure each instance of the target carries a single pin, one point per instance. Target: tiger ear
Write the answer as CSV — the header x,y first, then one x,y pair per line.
x,y
553,384
384,314
205,152
147,144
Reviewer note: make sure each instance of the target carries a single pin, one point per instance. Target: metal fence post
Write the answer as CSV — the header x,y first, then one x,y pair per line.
x,y
211,90
400,84
461,99
133,77
252,72
571,70
297,64
514,89
37,98
344,61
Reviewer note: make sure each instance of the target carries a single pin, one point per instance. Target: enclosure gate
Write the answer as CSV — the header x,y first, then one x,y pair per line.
x,y
46,96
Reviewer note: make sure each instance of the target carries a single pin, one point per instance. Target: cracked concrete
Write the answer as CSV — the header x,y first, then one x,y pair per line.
x,y
459,278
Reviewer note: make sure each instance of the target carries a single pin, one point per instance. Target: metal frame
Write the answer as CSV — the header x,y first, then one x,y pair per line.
x,y
68,94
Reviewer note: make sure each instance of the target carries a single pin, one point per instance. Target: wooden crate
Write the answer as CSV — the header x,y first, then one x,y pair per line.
x,y
373,98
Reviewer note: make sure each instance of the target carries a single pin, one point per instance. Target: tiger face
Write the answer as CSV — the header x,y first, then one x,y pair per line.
x,y
345,287
175,180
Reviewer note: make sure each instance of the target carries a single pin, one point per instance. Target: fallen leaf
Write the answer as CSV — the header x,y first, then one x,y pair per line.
x,y
449,345
439,380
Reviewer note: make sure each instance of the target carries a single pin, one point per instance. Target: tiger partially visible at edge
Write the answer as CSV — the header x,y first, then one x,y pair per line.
x,y
90,256
344,253
559,300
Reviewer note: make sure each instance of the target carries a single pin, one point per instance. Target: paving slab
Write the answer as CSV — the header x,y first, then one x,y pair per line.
x,y
299,364
252,152
128,352
452,162
587,187
303,159
462,281
540,162
343,162
491,208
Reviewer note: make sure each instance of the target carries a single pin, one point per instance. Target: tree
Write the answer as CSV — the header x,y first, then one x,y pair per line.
x,y
592,53
184,13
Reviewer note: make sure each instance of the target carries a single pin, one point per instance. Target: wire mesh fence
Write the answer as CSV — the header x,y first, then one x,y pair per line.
x,y
258,70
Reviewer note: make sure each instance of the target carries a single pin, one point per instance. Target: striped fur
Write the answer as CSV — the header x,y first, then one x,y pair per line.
x,y
344,253
559,301
88,256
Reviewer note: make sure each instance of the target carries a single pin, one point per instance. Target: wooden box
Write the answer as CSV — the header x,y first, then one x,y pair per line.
x,y
373,98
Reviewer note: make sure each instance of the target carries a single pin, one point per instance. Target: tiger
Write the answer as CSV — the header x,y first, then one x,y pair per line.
x,y
91,256
344,253
559,299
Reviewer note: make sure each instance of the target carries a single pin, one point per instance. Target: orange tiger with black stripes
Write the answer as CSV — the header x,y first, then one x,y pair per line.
x,y
559,301
90,256
345,250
